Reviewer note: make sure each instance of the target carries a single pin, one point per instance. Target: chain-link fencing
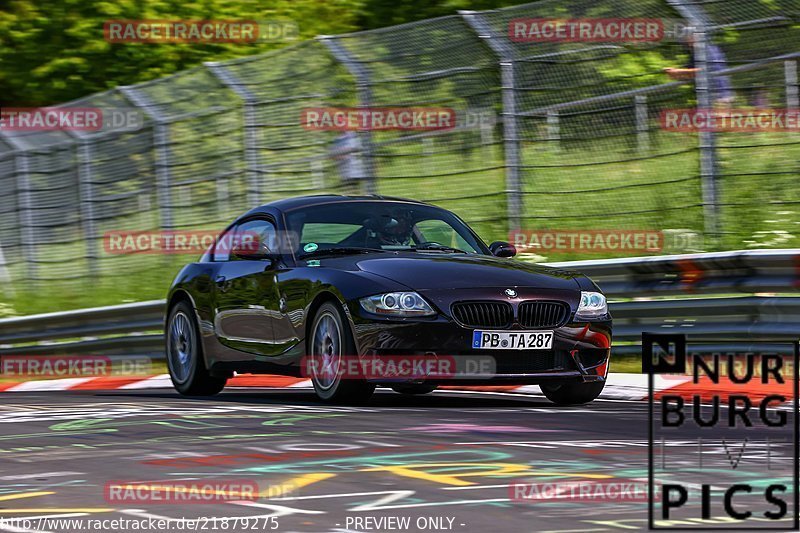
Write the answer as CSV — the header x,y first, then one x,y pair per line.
x,y
561,134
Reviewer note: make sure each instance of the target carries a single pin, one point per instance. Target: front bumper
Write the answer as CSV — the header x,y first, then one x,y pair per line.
x,y
580,352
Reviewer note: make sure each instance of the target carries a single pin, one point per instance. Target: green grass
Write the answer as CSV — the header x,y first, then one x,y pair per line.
x,y
626,363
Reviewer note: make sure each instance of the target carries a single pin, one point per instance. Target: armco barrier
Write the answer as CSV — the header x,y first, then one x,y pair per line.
x,y
742,272
135,329
722,320
117,329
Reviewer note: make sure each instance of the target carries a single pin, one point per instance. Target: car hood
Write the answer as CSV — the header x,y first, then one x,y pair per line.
x,y
457,271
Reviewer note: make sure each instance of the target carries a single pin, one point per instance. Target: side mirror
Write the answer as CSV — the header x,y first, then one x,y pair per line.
x,y
502,249
251,250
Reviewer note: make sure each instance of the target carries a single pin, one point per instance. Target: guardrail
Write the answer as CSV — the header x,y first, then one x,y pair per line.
x,y
135,329
721,324
129,329
740,272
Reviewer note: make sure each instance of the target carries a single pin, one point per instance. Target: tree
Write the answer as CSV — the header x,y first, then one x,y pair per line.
x,y
55,51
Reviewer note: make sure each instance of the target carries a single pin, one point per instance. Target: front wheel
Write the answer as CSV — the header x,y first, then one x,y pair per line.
x,y
187,367
572,393
330,344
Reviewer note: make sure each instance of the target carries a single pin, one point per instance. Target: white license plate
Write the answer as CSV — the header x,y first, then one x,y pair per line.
x,y
512,340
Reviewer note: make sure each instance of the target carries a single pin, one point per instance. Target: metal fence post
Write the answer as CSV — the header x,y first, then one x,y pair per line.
x,y
223,194
5,276
511,144
554,130
87,203
162,154
642,126
364,91
705,101
24,204
317,173
251,156
487,139
86,195
792,89
708,153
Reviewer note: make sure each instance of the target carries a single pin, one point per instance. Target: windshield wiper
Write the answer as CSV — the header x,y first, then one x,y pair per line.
x,y
342,250
434,246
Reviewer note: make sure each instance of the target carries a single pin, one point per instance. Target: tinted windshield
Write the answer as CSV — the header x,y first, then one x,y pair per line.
x,y
385,226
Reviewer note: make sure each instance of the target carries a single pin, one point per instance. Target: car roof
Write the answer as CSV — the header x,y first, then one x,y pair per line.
x,y
289,204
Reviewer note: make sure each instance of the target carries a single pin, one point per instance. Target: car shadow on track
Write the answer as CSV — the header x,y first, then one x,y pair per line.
x,y
381,399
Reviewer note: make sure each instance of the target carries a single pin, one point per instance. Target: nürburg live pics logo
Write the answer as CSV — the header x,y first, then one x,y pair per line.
x,y
723,434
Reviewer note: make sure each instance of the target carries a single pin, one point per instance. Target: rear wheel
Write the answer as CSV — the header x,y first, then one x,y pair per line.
x,y
185,360
573,393
330,342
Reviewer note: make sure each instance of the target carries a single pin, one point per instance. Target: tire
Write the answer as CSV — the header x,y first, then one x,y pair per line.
x,y
330,339
573,393
414,389
185,358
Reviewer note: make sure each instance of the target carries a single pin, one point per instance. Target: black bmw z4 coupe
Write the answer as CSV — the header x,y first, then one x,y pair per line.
x,y
356,292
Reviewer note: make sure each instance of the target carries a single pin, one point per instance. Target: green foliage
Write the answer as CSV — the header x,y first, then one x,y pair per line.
x,y
380,13
55,51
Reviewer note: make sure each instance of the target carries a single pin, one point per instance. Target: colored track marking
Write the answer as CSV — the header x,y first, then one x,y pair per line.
x,y
19,496
451,473
295,483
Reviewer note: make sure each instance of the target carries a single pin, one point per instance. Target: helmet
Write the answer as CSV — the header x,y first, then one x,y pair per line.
x,y
390,230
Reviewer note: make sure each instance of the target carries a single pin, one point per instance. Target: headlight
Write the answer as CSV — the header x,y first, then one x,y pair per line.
x,y
593,305
397,304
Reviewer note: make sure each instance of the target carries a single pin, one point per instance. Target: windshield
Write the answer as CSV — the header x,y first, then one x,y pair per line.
x,y
361,227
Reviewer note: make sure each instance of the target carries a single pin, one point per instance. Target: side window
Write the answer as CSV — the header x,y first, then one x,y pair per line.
x,y
259,231
222,251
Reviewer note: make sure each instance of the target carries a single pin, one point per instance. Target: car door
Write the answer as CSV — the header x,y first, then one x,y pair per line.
x,y
246,294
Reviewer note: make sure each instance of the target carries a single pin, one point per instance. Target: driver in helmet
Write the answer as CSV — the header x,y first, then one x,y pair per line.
x,y
394,230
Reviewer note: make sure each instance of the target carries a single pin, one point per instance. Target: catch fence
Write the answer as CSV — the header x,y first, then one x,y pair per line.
x,y
559,134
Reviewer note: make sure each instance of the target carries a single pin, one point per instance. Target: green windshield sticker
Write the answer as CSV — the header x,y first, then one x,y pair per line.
x,y
312,262
310,247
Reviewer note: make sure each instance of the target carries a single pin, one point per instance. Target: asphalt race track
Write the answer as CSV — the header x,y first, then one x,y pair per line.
x,y
442,462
